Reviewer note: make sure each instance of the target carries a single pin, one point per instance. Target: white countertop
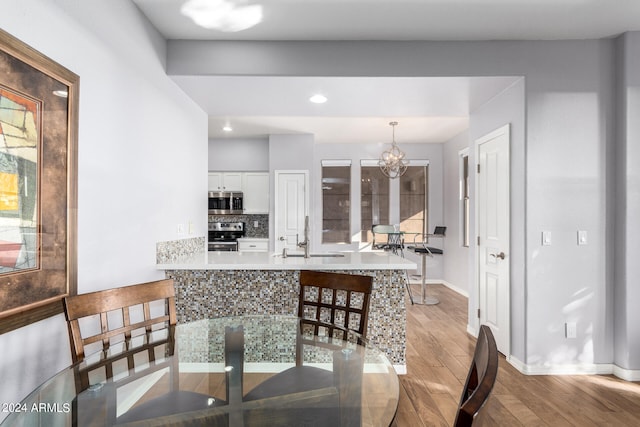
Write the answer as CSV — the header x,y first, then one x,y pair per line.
x,y
271,261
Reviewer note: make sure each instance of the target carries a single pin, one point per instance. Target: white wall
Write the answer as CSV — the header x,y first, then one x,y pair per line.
x,y
565,156
289,152
627,226
507,107
239,154
142,160
459,258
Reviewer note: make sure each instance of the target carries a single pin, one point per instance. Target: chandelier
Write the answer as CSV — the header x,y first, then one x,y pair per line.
x,y
392,162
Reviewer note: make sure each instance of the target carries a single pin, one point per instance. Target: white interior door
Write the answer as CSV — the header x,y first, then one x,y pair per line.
x,y
493,234
291,207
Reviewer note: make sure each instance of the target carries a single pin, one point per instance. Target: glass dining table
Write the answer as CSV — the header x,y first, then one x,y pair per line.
x,y
204,373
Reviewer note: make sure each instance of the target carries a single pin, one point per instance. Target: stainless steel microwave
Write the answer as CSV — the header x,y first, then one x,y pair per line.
x,y
225,202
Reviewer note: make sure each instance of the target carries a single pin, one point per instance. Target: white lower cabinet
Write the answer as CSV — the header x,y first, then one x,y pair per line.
x,y
248,244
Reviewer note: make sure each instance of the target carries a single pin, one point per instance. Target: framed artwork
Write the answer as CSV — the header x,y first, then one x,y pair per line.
x,y
38,184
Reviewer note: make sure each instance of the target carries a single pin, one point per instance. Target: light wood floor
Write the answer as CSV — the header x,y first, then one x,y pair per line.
x,y
439,352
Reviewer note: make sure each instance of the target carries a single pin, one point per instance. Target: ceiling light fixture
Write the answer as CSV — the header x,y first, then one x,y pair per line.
x,y
227,128
392,162
318,99
223,15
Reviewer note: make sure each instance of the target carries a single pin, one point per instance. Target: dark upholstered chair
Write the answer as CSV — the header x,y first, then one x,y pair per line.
x,y
480,380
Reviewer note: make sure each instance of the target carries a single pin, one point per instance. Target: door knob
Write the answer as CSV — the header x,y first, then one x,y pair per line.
x,y
501,255
281,238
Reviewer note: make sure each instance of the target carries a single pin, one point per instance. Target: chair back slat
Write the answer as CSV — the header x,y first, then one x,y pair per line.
x,y
480,379
118,300
315,284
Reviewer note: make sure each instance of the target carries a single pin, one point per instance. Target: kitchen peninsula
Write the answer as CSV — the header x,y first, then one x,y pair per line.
x,y
217,284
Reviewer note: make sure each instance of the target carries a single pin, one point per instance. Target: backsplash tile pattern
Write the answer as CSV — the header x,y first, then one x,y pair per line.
x,y
204,341
250,231
204,294
173,250
265,341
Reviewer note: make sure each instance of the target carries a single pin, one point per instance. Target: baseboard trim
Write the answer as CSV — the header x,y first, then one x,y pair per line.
x,y
400,369
626,374
575,369
572,369
472,331
440,282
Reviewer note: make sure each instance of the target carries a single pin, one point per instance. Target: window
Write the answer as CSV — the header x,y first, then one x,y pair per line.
x,y
374,193
464,197
336,193
413,199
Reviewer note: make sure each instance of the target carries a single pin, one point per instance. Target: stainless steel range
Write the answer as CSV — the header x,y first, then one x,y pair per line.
x,y
223,236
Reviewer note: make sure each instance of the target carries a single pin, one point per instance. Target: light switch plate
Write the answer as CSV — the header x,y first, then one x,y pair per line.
x,y
546,238
582,237
571,330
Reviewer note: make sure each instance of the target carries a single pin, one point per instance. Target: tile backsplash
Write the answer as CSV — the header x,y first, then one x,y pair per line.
x,y
175,249
262,230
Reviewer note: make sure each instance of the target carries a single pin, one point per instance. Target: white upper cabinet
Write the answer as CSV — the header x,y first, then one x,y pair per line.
x,y
225,181
255,186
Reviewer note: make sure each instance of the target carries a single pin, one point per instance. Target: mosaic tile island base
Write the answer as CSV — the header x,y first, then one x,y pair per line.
x,y
235,283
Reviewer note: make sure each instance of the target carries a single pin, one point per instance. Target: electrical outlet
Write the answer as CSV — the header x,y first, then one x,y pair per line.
x,y
571,330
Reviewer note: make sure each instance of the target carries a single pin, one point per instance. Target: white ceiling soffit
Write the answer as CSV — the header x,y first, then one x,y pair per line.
x,y
429,109
343,130
395,20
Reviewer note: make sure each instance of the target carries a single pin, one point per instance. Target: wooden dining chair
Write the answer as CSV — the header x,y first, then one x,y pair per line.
x,y
115,315
327,300
133,330
480,380
329,305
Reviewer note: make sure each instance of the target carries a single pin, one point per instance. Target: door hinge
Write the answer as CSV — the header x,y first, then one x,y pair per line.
x,y
478,313
478,167
478,240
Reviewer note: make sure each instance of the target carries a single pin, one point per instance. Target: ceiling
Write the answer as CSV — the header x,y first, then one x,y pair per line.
x,y
359,110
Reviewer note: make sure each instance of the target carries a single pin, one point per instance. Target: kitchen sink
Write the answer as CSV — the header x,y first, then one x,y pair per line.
x,y
326,255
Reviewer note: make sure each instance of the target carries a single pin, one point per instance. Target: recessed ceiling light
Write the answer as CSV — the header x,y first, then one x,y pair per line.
x,y
227,128
223,15
318,99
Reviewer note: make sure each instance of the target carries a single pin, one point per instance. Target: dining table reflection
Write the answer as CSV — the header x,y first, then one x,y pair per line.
x,y
216,363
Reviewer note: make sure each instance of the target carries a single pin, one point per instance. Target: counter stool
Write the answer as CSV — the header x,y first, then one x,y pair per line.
x,y
420,247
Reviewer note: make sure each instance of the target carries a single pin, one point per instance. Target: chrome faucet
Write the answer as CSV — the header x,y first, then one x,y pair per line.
x,y
305,243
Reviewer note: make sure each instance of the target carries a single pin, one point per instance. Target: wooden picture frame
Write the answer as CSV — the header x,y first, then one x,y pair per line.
x,y
38,184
